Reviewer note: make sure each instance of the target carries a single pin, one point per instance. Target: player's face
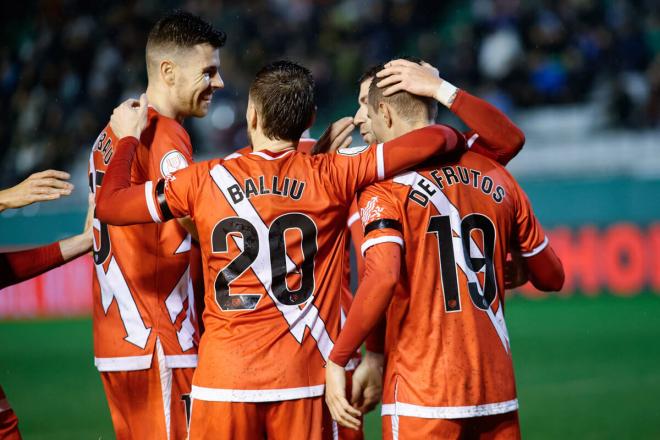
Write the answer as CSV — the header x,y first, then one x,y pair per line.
x,y
379,129
198,78
361,118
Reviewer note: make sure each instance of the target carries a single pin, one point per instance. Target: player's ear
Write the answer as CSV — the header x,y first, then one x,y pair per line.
x,y
167,68
386,111
251,115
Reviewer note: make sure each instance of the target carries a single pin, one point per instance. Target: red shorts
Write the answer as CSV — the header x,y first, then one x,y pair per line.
x,y
497,427
146,404
8,420
306,419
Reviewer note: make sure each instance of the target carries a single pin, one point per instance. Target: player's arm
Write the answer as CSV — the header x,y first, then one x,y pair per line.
x,y
118,202
121,204
543,267
545,270
382,267
23,265
375,343
382,251
39,187
351,169
493,133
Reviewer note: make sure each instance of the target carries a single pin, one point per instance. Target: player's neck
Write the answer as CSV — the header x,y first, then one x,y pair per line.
x,y
261,142
161,104
404,127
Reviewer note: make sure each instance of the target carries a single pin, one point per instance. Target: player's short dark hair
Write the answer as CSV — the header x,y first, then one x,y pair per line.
x,y
283,93
181,29
408,106
374,69
370,73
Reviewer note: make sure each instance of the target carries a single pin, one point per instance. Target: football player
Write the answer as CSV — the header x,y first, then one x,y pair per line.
x,y
436,241
145,325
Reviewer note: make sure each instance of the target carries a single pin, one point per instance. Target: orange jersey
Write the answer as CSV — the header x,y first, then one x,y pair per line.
x,y
447,346
273,257
271,230
142,286
305,145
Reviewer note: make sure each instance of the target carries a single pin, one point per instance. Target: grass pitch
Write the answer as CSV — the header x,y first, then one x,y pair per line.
x,y
586,368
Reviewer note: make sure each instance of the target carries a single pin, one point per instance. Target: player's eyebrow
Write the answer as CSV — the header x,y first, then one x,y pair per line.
x,y
210,69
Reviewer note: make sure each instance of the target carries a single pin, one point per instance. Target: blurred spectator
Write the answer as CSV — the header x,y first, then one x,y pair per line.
x,y
63,68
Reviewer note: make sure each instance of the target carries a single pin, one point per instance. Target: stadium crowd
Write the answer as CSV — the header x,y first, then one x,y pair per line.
x,y
64,68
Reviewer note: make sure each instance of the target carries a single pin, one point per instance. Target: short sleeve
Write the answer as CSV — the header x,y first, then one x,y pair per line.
x,y
175,195
530,235
349,169
381,218
170,150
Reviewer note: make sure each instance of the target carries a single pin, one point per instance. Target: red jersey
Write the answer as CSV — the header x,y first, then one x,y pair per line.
x,y
447,345
142,287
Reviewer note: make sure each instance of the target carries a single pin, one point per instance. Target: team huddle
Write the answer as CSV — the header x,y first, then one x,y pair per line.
x,y
222,306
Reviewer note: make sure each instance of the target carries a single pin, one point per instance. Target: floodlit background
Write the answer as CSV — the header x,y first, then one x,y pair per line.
x,y
580,77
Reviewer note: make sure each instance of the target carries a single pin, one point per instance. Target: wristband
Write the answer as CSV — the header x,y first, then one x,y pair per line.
x,y
446,93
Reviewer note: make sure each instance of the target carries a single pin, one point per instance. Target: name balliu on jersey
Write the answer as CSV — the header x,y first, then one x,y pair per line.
x,y
305,145
142,285
448,353
272,231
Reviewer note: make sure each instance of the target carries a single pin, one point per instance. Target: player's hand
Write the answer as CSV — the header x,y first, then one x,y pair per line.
x,y
515,271
335,397
130,117
39,187
368,382
336,136
404,75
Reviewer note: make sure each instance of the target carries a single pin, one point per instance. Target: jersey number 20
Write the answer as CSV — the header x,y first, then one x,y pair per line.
x,y
278,260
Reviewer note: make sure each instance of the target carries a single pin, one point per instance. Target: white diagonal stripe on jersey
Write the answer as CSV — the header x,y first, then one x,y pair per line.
x,y
296,317
445,207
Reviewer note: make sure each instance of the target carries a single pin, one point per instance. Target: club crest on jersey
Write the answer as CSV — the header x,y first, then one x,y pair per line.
x,y
371,212
352,151
171,162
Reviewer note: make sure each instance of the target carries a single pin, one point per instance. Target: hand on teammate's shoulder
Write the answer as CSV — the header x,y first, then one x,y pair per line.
x,y
130,117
